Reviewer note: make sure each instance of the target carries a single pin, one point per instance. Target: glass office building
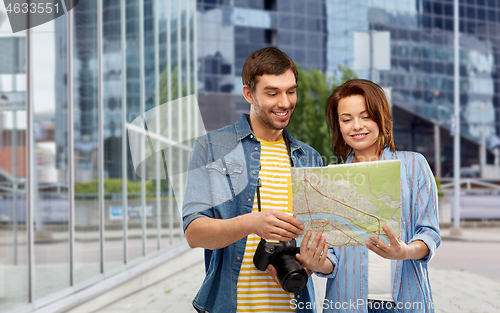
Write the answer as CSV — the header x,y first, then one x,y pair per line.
x,y
421,74
229,31
319,34
73,209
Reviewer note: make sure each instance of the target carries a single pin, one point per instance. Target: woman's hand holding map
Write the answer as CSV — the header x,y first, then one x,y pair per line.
x,y
397,249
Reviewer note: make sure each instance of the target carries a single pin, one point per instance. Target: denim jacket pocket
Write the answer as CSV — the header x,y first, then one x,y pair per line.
x,y
223,177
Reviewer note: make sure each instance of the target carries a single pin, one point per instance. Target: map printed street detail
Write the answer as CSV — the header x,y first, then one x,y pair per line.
x,y
348,203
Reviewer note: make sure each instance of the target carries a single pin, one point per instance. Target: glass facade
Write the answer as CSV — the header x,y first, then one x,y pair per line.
x,y
75,208
421,73
14,254
320,34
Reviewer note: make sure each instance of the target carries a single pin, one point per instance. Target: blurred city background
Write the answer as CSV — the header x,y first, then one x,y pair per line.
x,y
78,225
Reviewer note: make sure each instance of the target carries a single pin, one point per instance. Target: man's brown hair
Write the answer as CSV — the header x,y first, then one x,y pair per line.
x,y
377,108
266,61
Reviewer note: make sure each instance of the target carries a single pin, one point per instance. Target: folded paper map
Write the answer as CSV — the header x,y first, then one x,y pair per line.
x,y
348,203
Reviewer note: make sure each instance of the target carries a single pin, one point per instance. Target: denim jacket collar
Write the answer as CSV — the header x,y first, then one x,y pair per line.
x,y
243,128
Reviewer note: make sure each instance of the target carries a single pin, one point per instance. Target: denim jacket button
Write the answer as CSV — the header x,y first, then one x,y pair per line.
x,y
249,199
256,148
254,172
238,258
298,296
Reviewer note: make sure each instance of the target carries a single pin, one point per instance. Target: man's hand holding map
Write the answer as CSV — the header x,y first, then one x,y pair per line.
x,y
349,203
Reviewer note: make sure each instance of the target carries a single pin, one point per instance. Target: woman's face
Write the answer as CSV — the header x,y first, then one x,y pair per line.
x,y
359,131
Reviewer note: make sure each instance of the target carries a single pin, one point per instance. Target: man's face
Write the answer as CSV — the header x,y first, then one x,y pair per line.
x,y
273,102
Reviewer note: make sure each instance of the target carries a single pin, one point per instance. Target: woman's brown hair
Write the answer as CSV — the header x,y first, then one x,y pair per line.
x,y
377,107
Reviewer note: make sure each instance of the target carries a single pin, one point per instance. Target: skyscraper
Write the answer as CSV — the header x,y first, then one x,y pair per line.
x,y
229,31
319,34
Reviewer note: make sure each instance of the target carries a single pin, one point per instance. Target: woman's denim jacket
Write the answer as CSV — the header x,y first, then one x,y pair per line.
x,y
221,183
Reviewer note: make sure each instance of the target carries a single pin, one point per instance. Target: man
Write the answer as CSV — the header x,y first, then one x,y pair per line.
x,y
220,210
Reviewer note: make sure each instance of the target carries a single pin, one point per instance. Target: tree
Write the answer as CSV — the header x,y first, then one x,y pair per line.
x,y
309,120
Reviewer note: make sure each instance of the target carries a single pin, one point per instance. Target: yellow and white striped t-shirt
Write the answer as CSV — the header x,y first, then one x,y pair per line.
x,y
257,291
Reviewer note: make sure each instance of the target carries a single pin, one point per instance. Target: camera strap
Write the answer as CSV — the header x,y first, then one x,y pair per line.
x,y
259,184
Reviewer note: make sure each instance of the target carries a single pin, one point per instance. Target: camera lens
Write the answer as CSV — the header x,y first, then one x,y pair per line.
x,y
291,276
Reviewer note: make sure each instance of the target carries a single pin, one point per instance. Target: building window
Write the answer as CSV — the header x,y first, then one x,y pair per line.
x,y
270,5
271,37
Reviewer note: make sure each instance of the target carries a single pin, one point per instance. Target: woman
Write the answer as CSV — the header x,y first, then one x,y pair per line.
x,y
378,277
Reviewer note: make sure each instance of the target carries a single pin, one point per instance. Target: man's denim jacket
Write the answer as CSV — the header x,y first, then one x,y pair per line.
x,y
221,183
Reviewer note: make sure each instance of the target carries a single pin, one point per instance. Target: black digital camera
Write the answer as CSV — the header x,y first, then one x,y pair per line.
x,y
291,275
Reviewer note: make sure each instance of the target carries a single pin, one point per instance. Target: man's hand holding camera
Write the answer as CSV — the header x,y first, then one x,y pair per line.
x,y
314,257
277,249
279,259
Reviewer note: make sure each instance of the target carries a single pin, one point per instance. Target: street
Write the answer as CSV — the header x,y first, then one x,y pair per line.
x,y
464,275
